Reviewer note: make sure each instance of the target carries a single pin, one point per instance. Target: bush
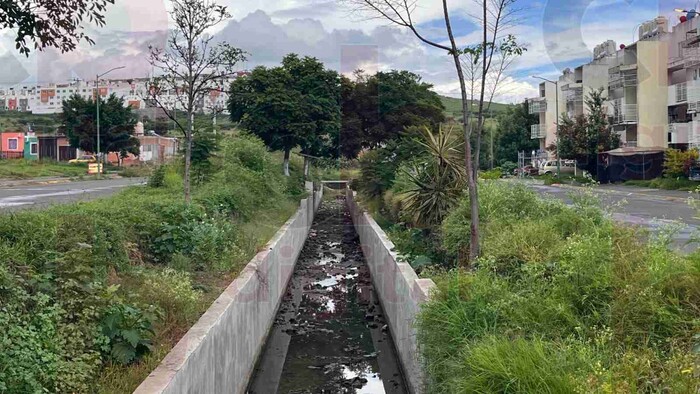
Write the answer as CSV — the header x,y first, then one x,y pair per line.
x,y
561,300
157,179
677,163
496,173
508,167
82,285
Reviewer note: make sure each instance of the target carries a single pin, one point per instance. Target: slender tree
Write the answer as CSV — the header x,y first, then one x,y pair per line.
x,y
56,24
400,13
191,66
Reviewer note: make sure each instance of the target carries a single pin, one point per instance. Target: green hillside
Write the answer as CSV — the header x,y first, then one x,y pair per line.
x,y
453,107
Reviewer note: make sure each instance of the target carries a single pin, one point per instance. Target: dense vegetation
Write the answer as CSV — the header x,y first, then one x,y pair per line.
x,y
93,294
562,300
453,107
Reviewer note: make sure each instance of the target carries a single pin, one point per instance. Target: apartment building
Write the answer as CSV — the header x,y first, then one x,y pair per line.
x,y
567,96
48,98
545,106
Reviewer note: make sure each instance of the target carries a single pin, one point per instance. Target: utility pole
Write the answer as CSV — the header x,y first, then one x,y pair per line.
x,y
97,104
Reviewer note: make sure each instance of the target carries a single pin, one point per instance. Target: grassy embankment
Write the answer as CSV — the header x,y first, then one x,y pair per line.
x,y
682,184
562,300
26,169
87,289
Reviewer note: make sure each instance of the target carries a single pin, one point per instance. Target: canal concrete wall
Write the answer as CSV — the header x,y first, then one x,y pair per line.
x,y
400,290
218,354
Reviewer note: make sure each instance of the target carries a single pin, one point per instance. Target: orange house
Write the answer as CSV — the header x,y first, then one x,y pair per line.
x,y
11,145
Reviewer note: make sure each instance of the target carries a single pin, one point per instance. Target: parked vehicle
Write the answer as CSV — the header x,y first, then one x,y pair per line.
x,y
84,159
527,171
566,167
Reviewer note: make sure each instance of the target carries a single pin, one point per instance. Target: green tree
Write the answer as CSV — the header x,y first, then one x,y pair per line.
x,y
378,108
294,105
117,122
513,133
192,66
51,23
583,137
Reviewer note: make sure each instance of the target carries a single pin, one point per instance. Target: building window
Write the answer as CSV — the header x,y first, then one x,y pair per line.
x,y
12,143
34,148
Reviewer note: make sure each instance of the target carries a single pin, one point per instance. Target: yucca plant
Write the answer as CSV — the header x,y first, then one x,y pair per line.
x,y
437,177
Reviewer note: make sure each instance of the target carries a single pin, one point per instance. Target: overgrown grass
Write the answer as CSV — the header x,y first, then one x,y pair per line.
x,y
682,184
562,300
82,285
24,169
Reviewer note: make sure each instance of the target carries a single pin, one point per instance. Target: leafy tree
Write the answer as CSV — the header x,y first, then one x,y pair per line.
x,y
514,133
51,23
583,137
117,122
294,105
378,108
192,66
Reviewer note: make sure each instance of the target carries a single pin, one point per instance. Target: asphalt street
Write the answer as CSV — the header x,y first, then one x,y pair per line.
x,y
650,208
40,196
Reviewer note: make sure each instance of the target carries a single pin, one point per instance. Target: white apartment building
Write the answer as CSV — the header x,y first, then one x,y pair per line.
x,y
48,98
652,87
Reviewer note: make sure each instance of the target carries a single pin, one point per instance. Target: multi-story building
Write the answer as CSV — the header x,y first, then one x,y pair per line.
x,y
48,98
545,106
646,86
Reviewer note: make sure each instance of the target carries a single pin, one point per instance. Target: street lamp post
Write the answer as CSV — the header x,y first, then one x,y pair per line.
x,y
97,104
556,108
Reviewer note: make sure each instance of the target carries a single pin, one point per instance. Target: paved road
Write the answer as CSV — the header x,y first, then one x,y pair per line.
x,y
650,208
22,197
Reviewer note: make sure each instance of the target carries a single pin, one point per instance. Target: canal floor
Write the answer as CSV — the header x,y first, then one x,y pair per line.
x,y
329,335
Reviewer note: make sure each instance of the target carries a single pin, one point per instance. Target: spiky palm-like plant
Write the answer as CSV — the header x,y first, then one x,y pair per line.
x,y
437,177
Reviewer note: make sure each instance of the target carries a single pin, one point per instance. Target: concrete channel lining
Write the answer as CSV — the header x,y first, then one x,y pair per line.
x,y
400,291
218,354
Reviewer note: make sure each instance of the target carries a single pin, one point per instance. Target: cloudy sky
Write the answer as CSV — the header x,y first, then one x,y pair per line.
x,y
557,33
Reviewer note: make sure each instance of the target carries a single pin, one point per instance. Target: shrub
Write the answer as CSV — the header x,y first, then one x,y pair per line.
x,y
496,173
172,291
508,167
561,300
157,179
130,332
677,163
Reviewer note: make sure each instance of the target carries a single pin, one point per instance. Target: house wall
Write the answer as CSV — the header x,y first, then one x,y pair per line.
x,y
550,116
4,144
595,77
652,93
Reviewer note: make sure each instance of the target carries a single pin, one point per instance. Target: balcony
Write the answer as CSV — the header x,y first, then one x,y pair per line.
x,y
537,105
623,113
538,131
677,94
679,132
574,95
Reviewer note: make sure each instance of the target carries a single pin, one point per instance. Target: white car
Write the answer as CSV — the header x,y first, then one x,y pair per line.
x,y
566,167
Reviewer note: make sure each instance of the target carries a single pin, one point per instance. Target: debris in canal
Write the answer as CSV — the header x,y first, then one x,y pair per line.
x,y
330,334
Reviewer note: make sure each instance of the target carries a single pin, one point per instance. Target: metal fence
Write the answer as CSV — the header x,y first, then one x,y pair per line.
x,y
11,155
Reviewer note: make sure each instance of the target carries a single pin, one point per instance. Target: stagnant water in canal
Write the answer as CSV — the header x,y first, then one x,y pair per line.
x,y
330,335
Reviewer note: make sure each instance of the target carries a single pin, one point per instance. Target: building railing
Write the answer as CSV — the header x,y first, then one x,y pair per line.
x,y
623,113
574,95
537,105
538,131
11,155
622,80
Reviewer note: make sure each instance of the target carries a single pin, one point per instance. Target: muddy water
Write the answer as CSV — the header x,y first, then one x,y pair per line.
x,y
330,335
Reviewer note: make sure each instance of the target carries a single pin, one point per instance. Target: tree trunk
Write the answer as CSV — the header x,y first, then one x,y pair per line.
x,y
474,246
306,167
188,157
480,116
286,162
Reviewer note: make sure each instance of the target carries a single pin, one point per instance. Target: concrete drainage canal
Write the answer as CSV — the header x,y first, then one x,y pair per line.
x,y
330,334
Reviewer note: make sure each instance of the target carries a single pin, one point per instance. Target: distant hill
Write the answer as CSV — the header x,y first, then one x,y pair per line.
x,y
453,107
